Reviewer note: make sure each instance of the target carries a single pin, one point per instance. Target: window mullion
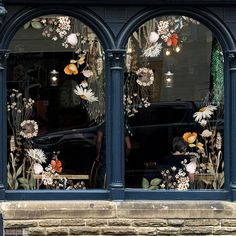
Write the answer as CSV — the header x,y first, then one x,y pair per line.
x,y
116,117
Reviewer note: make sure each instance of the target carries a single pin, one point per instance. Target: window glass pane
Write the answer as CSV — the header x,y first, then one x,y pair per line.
x,y
174,101
55,106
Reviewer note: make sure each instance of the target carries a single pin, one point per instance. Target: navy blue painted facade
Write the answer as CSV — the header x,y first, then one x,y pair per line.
x,y
113,24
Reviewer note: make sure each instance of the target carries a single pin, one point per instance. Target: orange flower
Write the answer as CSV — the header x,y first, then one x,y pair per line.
x,y
172,40
56,165
190,137
71,69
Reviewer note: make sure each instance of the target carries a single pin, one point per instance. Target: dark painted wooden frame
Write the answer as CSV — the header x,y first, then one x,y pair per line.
x,y
115,52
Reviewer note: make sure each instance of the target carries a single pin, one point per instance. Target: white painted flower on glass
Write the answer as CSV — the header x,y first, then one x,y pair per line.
x,y
84,84
72,39
37,155
29,129
37,168
86,94
203,122
204,113
153,51
153,37
87,73
206,133
145,76
191,167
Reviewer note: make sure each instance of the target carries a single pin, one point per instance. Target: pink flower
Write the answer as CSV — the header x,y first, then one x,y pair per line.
x,y
87,73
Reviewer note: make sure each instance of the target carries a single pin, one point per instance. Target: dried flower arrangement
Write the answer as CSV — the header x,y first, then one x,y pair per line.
x,y
25,165
206,146
171,178
169,32
88,57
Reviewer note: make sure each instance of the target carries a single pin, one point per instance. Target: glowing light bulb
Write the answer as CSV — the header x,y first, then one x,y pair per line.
x,y
168,52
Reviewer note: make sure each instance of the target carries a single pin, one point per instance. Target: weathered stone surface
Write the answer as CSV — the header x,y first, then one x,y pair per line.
x,y
120,218
175,222
224,230
56,231
20,224
231,223
58,210
49,223
150,222
118,222
34,232
197,230
96,222
168,231
72,222
118,231
198,222
147,231
84,231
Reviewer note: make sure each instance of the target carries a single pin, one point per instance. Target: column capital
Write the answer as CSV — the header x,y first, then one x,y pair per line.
x,y
4,53
231,54
116,57
3,12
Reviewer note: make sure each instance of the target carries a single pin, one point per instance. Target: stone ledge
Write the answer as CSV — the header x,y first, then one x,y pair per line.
x,y
123,210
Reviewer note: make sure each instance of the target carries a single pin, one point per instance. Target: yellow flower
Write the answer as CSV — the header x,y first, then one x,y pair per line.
x,y
200,146
190,137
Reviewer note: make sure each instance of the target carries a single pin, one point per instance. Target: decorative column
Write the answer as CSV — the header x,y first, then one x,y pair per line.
x,y
3,123
115,125
230,128
3,12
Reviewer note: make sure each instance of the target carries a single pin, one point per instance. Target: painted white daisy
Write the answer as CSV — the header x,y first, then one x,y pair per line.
x,y
86,94
29,129
204,113
37,155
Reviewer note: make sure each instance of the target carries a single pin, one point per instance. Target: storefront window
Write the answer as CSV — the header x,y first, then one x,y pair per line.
x,y
55,106
174,102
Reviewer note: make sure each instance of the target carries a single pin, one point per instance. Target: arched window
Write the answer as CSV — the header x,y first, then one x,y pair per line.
x,y
56,106
174,106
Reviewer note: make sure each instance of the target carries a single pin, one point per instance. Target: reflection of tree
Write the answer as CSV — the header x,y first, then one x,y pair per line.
x,y
217,72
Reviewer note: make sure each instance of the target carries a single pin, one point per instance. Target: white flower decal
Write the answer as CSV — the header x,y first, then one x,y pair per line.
x,y
86,94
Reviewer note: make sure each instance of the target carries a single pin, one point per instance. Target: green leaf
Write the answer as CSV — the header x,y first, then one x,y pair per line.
x,y
23,181
27,25
9,177
221,179
153,187
156,181
145,183
32,183
16,184
18,172
36,25
25,186
135,35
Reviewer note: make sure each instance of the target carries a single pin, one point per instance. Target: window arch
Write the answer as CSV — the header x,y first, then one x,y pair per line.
x,y
219,31
55,35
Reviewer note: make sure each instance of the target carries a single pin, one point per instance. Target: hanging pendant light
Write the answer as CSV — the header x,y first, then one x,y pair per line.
x,y
53,77
169,79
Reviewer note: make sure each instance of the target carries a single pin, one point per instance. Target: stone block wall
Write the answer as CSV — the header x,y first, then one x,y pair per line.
x,y
118,218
